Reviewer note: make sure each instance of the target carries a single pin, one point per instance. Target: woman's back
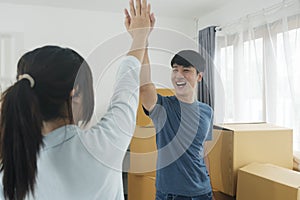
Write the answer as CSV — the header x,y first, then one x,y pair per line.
x,y
67,169
87,164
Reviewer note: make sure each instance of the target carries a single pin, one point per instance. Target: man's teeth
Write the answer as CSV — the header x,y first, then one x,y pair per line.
x,y
180,83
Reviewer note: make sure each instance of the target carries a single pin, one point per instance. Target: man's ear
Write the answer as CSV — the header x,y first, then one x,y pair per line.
x,y
200,76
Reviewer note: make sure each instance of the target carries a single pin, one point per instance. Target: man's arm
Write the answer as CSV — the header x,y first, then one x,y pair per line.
x,y
147,89
148,92
138,25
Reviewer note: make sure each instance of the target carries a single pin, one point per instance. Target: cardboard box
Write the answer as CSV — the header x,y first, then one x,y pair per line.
x,y
267,182
236,145
143,152
141,187
143,155
144,120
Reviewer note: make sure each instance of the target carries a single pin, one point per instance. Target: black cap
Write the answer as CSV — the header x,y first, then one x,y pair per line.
x,y
189,58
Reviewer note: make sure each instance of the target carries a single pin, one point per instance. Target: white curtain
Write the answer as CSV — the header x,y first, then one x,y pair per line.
x,y
258,60
11,47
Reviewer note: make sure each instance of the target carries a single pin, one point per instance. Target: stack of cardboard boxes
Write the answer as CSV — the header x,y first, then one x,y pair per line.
x,y
143,154
236,145
141,179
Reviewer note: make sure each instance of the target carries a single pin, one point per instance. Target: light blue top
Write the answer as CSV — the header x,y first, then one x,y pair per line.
x,y
87,165
182,128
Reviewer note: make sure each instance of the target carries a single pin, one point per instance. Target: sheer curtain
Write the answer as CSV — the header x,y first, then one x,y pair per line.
x,y
258,60
11,48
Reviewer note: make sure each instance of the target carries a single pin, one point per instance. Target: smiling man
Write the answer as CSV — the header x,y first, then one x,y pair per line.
x,y
182,125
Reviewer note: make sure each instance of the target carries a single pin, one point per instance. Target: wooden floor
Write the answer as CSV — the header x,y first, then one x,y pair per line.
x,y
222,196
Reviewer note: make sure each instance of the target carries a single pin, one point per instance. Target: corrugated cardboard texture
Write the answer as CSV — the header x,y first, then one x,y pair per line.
x,y
143,152
267,181
141,187
143,156
242,144
144,120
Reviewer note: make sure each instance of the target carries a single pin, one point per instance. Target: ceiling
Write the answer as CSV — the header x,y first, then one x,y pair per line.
x,y
188,9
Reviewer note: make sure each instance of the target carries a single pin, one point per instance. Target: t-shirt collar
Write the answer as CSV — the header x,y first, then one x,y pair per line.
x,y
59,136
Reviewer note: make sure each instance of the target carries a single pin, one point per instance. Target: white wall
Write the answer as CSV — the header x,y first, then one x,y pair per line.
x,y
87,32
233,11
79,29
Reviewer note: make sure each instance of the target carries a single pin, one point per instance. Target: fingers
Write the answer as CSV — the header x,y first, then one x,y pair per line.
x,y
127,19
131,8
148,9
141,8
144,8
126,13
138,7
152,20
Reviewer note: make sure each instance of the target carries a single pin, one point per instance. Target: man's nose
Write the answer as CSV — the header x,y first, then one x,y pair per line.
x,y
179,74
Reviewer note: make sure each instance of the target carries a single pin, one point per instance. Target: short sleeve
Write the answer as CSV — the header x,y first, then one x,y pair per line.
x,y
158,102
210,129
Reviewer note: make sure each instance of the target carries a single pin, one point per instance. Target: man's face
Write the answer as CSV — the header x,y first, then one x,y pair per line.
x,y
184,80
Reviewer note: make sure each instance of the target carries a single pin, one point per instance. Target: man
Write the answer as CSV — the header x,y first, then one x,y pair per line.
x,y
182,124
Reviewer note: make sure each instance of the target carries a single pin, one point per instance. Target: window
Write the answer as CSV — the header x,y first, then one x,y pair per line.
x,y
259,69
10,50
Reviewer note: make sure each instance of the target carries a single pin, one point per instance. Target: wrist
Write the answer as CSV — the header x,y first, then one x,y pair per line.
x,y
139,43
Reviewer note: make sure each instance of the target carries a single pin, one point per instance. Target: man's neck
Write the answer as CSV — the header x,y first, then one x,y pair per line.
x,y
186,99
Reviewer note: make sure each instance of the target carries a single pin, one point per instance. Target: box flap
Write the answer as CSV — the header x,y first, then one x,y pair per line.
x,y
219,127
274,173
259,126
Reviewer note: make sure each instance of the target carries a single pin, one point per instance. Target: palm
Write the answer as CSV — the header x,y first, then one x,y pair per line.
x,y
139,21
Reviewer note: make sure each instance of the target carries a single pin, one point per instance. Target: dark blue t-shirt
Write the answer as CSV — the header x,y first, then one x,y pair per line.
x,y
181,130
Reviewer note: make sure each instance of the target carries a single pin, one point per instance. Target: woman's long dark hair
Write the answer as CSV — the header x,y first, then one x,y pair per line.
x,y
56,71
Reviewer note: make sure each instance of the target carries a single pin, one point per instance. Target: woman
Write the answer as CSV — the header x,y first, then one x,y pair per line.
x,y
44,155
